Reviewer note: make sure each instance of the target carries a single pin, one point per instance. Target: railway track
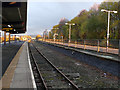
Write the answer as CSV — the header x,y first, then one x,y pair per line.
x,y
48,76
107,65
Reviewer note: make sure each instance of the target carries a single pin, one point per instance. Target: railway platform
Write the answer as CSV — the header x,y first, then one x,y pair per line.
x,y
19,73
109,56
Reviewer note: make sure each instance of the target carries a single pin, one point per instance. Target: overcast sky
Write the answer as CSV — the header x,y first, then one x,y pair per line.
x,y
44,15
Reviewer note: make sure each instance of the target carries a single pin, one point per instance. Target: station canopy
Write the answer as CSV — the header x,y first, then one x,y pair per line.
x,y
14,17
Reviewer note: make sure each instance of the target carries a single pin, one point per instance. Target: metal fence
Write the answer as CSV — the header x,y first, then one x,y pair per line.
x,y
99,45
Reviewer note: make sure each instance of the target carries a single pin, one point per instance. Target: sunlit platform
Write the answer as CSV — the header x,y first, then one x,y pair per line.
x,y
19,73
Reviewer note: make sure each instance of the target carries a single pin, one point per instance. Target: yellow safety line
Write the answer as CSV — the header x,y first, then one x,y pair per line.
x,y
8,75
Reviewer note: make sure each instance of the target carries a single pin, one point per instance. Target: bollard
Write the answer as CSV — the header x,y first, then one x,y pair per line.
x,y
98,48
119,47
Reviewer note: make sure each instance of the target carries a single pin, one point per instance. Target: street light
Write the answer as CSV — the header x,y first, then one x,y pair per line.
x,y
44,34
55,33
103,10
70,24
54,36
49,33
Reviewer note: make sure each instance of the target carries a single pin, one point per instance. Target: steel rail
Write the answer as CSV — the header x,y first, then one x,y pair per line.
x,y
74,86
43,82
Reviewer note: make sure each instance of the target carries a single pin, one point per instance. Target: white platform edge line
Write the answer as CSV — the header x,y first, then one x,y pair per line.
x,y
32,76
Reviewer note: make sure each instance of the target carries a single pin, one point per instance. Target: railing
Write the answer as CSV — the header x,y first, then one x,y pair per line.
x,y
93,44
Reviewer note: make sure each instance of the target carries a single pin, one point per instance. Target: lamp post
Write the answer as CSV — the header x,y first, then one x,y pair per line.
x,y
55,34
44,35
0,36
70,25
108,31
49,34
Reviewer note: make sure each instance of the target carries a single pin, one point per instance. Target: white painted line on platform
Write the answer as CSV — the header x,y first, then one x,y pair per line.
x,y
32,76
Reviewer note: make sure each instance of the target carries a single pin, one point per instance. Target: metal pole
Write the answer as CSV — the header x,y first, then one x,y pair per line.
x,y
15,38
84,45
75,44
0,38
62,39
69,33
9,38
54,37
119,47
4,37
98,48
108,30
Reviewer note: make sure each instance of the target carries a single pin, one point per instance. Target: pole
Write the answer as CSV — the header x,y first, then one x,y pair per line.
x,y
4,37
119,47
15,38
108,30
98,48
0,37
75,44
84,45
54,37
69,33
62,38
9,38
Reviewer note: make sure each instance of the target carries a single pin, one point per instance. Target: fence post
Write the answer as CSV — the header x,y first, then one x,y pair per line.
x,y
62,41
84,45
68,43
119,47
75,44
107,45
98,48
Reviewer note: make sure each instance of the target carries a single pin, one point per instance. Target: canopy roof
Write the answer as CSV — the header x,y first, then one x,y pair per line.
x,y
14,17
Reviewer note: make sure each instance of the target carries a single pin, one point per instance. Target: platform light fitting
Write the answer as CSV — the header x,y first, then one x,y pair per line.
x,y
108,31
103,10
9,26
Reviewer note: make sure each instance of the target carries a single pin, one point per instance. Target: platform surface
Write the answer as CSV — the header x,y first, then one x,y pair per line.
x,y
109,56
18,74
8,52
22,75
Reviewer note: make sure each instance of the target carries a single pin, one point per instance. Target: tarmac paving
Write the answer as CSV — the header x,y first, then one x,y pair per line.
x,y
22,75
8,52
17,68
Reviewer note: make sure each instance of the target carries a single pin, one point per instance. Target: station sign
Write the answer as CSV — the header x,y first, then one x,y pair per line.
x,y
7,29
